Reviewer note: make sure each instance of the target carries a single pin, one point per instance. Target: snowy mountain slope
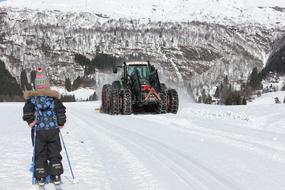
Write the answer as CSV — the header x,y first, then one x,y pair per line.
x,y
203,147
188,52
270,13
193,43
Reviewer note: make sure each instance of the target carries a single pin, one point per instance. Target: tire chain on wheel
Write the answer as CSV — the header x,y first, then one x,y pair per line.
x,y
162,105
173,101
127,102
114,102
104,97
108,95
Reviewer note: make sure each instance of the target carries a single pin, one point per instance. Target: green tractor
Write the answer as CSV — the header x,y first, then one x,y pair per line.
x,y
138,90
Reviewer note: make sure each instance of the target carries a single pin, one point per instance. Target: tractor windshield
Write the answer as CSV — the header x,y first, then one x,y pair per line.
x,y
143,71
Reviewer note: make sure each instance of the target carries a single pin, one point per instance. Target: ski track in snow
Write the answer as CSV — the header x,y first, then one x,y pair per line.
x,y
117,158
201,148
260,146
167,150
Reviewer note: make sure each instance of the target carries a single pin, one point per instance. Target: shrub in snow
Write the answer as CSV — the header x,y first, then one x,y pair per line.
x,y
277,101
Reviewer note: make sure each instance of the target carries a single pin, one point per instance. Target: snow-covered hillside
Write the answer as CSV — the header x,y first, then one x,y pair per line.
x,y
204,147
193,43
270,13
189,52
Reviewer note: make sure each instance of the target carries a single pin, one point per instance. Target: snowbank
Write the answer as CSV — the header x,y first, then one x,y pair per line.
x,y
80,94
269,98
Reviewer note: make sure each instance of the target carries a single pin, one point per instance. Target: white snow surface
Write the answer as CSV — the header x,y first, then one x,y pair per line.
x,y
269,98
80,94
229,11
203,147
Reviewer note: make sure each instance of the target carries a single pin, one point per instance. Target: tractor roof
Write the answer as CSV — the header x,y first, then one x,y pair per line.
x,y
137,63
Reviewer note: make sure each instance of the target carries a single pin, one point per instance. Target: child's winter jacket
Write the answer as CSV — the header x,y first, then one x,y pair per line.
x,y
45,107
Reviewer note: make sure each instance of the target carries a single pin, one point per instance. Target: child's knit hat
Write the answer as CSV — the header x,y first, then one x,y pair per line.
x,y
41,81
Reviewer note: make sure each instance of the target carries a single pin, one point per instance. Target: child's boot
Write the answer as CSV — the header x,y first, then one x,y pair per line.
x,y
56,179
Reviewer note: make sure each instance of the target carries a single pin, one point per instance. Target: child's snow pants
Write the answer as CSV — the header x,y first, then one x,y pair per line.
x,y
47,153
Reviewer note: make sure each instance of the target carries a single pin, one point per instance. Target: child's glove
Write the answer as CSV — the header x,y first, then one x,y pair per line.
x,y
31,125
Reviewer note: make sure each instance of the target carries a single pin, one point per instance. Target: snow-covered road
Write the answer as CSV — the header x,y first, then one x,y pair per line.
x,y
202,148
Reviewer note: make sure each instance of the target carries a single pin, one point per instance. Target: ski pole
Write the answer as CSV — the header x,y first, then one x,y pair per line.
x,y
71,171
34,156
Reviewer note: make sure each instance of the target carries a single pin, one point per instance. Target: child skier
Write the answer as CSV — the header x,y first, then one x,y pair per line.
x,y
45,115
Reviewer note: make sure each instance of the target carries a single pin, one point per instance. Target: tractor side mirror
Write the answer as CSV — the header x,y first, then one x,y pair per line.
x,y
115,70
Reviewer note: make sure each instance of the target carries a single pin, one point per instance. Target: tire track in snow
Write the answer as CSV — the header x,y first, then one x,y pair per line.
x,y
272,151
243,142
122,161
275,124
216,182
146,150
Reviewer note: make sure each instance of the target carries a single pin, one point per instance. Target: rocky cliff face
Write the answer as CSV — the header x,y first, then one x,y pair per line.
x,y
199,54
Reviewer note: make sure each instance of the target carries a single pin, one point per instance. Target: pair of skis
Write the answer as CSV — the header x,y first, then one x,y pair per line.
x,y
57,187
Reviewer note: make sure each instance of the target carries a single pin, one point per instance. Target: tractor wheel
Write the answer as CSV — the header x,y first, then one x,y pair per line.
x,y
114,102
173,101
161,107
108,95
104,98
127,106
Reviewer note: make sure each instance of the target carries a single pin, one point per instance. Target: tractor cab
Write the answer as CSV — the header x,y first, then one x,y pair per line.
x,y
140,77
140,69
